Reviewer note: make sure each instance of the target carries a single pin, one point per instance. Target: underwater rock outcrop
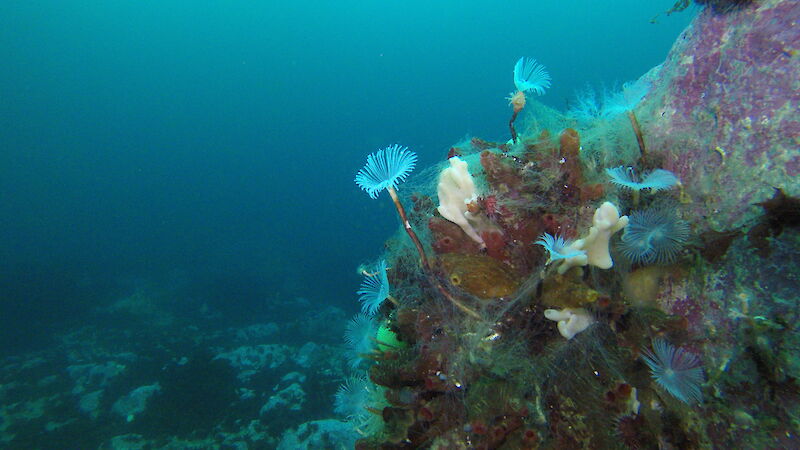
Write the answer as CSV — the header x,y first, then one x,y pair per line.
x,y
723,113
661,336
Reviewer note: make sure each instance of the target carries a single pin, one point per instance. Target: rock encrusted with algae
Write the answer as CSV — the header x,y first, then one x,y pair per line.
x,y
504,378
723,112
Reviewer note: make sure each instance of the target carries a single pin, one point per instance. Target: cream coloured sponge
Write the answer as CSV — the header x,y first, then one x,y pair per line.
x,y
571,321
595,245
456,191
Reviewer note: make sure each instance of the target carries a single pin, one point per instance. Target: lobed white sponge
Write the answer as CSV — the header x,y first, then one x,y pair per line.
x,y
456,191
571,321
606,222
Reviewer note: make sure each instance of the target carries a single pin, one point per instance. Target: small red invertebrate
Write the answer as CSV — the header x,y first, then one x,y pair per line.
x,y
624,390
479,427
454,151
530,437
425,414
499,432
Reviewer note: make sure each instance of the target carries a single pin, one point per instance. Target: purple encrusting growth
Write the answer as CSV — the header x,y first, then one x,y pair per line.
x,y
723,111
677,371
793,166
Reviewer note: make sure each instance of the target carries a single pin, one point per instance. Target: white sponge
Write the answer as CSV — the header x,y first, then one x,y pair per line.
x,y
571,321
606,222
457,190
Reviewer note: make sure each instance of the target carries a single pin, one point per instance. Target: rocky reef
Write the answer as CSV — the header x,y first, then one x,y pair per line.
x,y
127,383
722,113
585,338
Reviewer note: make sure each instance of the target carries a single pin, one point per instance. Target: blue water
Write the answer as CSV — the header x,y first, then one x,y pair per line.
x,y
218,140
